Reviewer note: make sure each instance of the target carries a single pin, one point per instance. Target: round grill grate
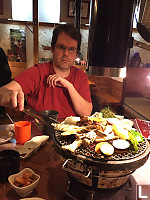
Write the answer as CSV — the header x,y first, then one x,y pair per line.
x,y
90,151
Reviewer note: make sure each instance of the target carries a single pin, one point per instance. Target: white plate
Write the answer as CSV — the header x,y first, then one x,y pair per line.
x,y
5,136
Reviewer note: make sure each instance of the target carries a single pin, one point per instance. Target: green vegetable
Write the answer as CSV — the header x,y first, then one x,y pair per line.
x,y
134,141
135,137
138,135
107,113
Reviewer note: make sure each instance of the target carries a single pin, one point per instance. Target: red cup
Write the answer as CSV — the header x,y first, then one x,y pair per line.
x,y
22,131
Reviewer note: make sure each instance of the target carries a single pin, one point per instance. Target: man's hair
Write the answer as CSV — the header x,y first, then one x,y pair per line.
x,y
69,29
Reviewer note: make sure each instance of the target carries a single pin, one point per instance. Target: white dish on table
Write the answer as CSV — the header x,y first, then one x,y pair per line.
x,y
32,145
5,135
24,152
41,139
23,191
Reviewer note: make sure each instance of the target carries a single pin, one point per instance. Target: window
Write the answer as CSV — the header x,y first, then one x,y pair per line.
x,y
49,10
22,10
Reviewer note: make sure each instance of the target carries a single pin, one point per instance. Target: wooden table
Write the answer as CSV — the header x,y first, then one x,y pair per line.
x,y
54,180
47,163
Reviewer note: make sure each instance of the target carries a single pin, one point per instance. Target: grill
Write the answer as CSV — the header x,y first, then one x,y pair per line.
x,y
90,151
98,171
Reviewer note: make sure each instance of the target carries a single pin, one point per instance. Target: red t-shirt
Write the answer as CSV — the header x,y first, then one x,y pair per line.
x,y
41,97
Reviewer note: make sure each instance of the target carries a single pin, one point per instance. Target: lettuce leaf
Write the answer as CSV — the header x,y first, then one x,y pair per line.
x,y
135,137
138,135
134,141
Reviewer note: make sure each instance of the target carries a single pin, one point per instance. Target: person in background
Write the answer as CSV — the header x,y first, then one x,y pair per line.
x,y
5,74
55,85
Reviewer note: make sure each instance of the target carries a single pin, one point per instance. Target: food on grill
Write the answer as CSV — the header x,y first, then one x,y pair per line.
x,y
65,127
72,120
86,142
113,121
107,113
121,144
126,123
26,179
72,147
96,129
107,149
120,132
97,147
135,138
70,132
104,139
96,119
137,135
91,135
97,115
84,121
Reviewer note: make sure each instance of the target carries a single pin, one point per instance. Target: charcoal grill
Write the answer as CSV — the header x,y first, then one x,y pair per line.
x,y
97,170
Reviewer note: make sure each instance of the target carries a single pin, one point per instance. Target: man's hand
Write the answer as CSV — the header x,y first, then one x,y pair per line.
x,y
57,81
12,98
81,106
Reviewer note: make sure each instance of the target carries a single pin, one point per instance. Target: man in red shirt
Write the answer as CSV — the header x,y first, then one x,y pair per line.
x,y
56,85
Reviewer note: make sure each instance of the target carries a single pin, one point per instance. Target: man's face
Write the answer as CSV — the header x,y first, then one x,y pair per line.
x,y
65,51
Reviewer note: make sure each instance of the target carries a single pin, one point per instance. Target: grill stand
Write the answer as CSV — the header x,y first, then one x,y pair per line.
x,y
94,177
79,191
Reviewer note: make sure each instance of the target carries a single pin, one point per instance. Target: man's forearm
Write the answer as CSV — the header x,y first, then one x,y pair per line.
x,y
81,106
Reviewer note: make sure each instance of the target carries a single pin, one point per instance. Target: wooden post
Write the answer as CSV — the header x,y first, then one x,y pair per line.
x,y
35,32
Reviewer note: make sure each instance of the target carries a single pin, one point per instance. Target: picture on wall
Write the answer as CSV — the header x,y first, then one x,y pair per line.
x,y
85,6
18,46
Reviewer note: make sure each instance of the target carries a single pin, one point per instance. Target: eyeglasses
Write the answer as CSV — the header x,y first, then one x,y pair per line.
x,y
62,48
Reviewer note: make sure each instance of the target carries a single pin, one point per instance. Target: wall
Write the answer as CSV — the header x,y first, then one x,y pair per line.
x,y
5,35
45,35
64,13
7,9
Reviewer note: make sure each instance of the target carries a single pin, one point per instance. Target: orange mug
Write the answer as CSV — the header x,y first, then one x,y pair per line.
x,y
22,131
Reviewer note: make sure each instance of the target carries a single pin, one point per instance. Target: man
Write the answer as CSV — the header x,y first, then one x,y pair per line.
x,y
56,85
